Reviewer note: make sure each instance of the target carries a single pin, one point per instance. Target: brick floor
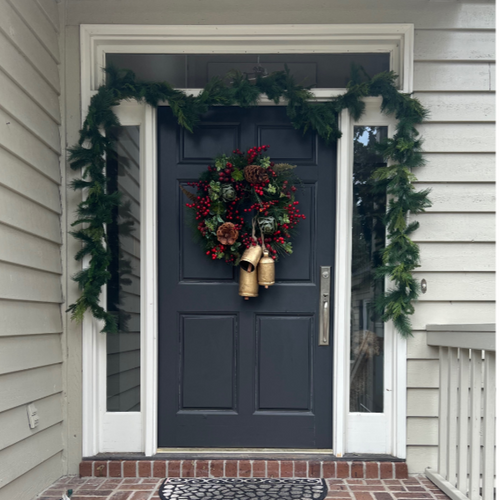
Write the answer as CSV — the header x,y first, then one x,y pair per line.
x,y
100,488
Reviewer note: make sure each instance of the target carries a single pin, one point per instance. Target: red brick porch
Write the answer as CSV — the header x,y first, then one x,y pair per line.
x,y
97,488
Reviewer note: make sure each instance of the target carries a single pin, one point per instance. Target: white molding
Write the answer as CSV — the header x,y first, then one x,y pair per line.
x,y
96,41
99,39
342,290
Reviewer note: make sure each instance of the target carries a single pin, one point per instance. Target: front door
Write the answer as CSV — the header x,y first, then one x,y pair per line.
x,y
236,373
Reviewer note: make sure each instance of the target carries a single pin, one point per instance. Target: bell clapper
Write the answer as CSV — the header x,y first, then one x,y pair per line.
x,y
267,286
246,298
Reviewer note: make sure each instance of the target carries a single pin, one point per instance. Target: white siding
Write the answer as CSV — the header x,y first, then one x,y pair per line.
x,y
31,353
454,77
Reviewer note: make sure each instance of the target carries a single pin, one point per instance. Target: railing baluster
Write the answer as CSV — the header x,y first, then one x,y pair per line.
x,y
463,420
444,373
475,424
452,415
489,426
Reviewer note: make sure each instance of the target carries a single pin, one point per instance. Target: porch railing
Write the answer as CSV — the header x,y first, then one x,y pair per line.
x,y
466,456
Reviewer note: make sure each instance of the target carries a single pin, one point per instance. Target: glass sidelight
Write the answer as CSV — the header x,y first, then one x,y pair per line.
x,y
368,238
123,289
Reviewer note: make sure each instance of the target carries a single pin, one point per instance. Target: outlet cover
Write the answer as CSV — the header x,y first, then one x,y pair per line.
x,y
32,416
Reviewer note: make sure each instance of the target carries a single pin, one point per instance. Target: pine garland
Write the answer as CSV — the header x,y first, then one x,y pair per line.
x,y
402,152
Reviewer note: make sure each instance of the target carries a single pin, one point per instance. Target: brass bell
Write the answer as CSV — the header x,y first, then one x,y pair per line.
x,y
250,258
266,270
248,284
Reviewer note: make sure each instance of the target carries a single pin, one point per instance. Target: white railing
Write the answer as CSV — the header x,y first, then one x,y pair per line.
x,y
466,457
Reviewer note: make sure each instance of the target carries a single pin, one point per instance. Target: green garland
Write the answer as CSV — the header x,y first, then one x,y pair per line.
x,y
402,152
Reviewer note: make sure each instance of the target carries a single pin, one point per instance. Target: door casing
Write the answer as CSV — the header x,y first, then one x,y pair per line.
x,y
104,431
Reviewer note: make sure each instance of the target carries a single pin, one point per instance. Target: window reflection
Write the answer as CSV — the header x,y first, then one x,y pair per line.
x,y
123,288
368,238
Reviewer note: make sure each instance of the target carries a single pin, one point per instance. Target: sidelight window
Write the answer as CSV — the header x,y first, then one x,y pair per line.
x,y
368,237
123,289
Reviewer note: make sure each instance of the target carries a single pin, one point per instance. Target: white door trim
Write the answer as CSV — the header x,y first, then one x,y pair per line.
x,y
137,431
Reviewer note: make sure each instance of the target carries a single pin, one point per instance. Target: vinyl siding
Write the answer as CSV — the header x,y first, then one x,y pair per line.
x,y
31,352
454,76
453,79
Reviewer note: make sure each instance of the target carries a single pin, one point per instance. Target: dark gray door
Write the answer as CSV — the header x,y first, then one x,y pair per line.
x,y
236,373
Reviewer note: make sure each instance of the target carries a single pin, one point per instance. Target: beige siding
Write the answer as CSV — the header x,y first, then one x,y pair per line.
x,y
31,352
453,78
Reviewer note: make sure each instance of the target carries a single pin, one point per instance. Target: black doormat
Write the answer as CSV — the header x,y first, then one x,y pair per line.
x,y
243,489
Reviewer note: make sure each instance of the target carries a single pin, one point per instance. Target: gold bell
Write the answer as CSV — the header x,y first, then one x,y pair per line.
x,y
250,258
248,284
266,270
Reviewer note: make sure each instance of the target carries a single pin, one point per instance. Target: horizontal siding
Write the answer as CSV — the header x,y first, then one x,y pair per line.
x,y
19,105
21,283
17,460
420,458
456,45
453,76
22,353
23,144
447,312
19,388
27,250
35,480
51,12
26,215
423,431
461,197
34,17
50,412
458,106
22,178
458,137
457,257
459,227
461,167
29,318
454,79
31,348
26,42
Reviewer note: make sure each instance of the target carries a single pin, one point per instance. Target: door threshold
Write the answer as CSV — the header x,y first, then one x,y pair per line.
x,y
246,451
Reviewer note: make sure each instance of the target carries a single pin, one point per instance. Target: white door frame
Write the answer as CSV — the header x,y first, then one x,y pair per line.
x,y
137,431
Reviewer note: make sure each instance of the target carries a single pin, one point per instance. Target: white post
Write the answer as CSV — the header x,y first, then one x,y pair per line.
x,y
452,415
475,424
488,469
444,373
463,420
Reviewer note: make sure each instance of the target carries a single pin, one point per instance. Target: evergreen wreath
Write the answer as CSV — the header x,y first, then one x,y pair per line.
x,y
239,184
402,153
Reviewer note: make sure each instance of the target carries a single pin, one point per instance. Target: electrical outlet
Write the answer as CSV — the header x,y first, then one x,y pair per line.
x,y
32,416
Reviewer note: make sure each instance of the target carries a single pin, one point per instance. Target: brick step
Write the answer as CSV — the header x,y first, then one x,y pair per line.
x,y
244,468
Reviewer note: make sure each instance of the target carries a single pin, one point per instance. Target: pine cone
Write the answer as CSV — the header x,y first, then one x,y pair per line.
x,y
255,174
227,234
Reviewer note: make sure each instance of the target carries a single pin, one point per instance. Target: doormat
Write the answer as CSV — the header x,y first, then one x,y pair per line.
x,y
243,489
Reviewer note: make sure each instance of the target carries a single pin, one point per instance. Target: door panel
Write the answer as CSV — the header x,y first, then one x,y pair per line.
x,y
236,373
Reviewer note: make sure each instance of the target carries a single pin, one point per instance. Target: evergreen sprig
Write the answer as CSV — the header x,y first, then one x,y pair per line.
x,y
402,153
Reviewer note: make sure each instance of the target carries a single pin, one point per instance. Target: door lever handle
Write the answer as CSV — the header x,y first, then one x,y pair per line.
x,y
326,317
324,308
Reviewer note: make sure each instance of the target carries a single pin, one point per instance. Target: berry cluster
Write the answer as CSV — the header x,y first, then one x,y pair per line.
x,y
245,206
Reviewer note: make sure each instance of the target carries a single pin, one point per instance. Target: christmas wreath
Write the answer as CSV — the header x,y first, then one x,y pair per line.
x,y
242,201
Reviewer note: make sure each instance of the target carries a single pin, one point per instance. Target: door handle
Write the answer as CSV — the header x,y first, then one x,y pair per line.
x,y
324,308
